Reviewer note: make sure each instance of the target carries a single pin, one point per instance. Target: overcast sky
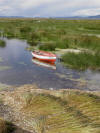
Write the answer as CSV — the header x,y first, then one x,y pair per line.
x,y
49,8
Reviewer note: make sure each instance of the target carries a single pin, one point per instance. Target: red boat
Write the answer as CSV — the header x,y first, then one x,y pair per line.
x,y
44,56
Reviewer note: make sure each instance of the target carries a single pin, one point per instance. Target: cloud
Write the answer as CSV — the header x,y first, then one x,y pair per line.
x,y
87,12
35,3
4,10
49,7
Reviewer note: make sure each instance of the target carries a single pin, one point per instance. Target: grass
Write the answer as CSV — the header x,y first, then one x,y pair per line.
x,y
53,34
4,86
71,112
82,60
63,33
1,60
2,126
6,127
48,47
2,68
59,111
10,128
2,43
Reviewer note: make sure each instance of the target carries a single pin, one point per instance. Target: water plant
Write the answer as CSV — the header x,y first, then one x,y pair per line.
x,y
2,43
82,61
48,46
2,68
52,33
1,59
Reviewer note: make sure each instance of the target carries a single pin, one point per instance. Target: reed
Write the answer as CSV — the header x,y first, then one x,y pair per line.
x,y
3,128
52,33
82,60
2,43
72,111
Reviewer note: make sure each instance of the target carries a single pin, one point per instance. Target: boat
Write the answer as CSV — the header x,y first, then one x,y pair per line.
x,y
44,56
44,64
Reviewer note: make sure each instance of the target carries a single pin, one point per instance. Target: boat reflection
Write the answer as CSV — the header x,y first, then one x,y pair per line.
x,y
44,63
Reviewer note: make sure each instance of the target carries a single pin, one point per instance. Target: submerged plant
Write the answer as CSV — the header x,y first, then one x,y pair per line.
x,y
2,43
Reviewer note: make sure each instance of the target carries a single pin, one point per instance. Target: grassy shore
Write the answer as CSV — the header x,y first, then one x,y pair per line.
x,y
82,60
52,34
58,111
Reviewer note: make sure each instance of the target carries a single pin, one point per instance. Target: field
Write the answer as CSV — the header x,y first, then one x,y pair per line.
x,y
50,34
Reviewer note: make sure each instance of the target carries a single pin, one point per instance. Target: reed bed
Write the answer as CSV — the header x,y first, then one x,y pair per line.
x,y
49,34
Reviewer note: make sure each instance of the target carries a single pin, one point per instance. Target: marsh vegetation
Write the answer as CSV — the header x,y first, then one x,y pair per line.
x,y
82,60
45,111
2,43
52,34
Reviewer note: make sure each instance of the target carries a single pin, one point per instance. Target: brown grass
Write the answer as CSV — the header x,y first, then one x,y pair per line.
x,y
2,126
62,111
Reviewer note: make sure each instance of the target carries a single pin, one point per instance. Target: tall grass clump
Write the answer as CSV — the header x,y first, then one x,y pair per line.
x,y
2,43
48,47
79,41
33,39
3,128
82,60
40,124
10,127
89,42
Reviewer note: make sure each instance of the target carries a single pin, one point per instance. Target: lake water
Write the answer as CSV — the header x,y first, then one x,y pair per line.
x,y
17,68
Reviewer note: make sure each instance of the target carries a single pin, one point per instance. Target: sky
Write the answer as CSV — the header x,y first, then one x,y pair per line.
x,y
49,8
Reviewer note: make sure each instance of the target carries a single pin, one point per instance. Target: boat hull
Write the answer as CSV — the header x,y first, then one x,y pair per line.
x,y
44,58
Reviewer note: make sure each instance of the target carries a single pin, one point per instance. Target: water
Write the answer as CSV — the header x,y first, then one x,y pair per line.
x,y
20,69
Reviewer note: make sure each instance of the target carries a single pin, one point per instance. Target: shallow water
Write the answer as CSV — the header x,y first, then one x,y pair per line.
x,y
21,70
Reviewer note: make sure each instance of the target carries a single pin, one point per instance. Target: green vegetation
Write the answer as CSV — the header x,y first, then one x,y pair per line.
x,y
48,47
4,86
2,68
1,59
82,60
52,34
2,43
61,33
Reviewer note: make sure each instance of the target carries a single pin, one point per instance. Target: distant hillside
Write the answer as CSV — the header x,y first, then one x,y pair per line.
x,y
80,17
98,16
72,17
12,17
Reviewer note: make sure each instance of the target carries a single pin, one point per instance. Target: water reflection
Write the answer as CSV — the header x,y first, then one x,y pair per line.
x,y
44,63
26,70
